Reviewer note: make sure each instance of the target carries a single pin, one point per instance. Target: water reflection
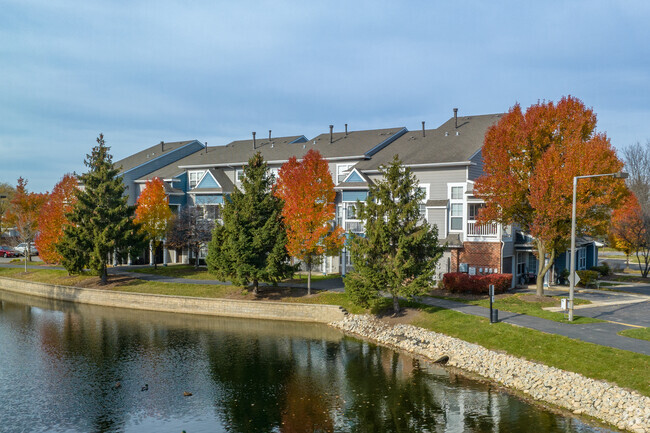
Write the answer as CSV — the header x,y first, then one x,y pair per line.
x,y
60,365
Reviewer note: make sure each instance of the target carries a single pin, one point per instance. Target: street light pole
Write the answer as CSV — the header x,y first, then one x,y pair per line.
x,y
572,270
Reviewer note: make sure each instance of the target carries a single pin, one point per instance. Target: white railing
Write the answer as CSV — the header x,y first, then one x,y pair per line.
x,y
476,229
354,227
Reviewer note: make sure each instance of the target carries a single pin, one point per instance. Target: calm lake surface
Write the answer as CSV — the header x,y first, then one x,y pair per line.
x,y
60,364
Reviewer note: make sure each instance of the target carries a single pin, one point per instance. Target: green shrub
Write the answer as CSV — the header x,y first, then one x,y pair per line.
x,y
604,270
587,277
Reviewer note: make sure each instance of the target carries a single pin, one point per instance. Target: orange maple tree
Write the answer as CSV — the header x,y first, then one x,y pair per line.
x,y
307,189
152,212
23,214
630,231
52,219
530,159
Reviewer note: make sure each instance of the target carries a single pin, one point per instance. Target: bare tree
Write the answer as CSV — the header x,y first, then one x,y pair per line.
x,y
189,229
633,227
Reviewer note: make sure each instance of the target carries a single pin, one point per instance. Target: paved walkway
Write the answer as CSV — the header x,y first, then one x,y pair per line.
x,y
604,333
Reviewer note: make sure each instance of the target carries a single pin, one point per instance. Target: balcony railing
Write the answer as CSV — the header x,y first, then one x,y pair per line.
x,y
487,230
354,227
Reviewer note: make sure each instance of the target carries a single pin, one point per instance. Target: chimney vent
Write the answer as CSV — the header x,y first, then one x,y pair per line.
x,y
206,147
331,133
162,146
254,142
456,117
269,135
346,129
423,133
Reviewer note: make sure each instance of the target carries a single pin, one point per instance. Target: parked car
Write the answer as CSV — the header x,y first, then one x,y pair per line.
x,y
7,251
22,249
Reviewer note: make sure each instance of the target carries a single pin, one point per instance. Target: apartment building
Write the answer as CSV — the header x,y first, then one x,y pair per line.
x,y
446,160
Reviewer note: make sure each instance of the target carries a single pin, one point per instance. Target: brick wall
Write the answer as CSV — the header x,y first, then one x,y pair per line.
x,y
477,254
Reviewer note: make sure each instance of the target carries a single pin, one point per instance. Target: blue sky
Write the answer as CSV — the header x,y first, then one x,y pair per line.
x,y
146,71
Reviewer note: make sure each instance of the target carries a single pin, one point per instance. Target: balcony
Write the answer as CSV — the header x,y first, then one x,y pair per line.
x,y
354,227
474,229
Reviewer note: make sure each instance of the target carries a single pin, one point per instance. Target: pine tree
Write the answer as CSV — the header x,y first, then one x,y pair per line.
x,y
101,221
399,250
250,246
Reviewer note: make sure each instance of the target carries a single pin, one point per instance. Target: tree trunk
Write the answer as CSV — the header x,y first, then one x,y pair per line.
x,y
196,258
395,305
256,287
542,268
309,278
104,276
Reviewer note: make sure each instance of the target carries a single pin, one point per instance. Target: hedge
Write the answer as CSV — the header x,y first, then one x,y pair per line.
x,y
587,277
460,282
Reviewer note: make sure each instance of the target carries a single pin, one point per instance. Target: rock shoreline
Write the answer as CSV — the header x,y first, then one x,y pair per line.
x,y
627,410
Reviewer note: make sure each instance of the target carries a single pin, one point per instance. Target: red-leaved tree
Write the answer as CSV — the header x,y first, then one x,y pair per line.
x,y
52,219
23,214
307,189
630,232
152,212
530,159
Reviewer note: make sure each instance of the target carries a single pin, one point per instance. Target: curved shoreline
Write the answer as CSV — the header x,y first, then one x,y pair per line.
x,y
626,410
316,313
612,404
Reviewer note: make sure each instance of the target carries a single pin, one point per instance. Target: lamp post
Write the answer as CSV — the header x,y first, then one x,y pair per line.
x,y
572,271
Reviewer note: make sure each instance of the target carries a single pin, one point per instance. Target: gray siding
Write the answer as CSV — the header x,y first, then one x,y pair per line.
x,y
475,171
438,178
438,216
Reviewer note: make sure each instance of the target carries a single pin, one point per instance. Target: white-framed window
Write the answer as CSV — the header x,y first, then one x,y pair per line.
x,y
582,258
194,177
456,207
351,211
274,171
473,210
342,171
239,175
456,217
423,207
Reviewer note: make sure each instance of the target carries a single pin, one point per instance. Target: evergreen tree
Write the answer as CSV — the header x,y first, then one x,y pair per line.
x,y
399,250
101,221
250,246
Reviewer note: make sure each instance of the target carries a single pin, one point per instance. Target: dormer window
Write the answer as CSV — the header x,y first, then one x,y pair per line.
x,y
194,177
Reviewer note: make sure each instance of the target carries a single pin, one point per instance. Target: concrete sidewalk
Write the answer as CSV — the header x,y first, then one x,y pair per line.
x,y
604,334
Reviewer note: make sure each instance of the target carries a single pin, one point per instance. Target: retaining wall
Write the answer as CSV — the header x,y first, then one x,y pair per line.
x,y
179,304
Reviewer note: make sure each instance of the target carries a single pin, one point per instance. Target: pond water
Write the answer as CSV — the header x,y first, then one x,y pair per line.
x,y
76,368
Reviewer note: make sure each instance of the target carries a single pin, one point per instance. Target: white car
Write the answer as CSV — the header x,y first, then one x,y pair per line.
x,y
22,249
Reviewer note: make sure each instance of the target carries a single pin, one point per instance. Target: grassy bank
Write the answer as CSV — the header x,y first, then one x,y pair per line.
x,y
529,305
626,369
639,333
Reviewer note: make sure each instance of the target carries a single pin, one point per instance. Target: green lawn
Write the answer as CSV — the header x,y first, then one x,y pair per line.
x,y
640,333
591,360
177,271
515,304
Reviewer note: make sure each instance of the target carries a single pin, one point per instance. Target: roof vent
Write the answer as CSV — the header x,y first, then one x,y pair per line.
x,y
446,134
162,146
456,117
254,142
331,133
346,129
457,133
269,135
423,133
304,145
206,147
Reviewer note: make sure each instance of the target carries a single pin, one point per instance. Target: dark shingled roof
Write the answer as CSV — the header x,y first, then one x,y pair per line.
x,y
440,145
355,144
148,154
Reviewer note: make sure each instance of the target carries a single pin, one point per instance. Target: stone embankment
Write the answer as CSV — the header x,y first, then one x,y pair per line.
x,y
624,409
